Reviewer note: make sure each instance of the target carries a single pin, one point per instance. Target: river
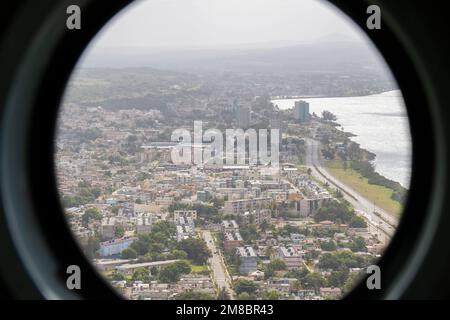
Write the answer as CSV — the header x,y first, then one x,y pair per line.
x,y
380,124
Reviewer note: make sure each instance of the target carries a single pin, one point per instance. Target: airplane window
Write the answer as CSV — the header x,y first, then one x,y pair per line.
x,y
212,149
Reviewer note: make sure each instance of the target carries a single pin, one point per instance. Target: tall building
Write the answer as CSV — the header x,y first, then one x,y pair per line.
x,y
301,111
243,117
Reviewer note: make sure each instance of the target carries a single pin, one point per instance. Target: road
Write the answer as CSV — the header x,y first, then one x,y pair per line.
x,y
382,223
221,276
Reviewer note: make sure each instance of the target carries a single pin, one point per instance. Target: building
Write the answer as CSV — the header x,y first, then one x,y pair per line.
x,y
177,214
281,285
184,231
297,238
108,227
301,111
247,260
144,225
229,225
291,256
257,217
242,205
232,240
116,246
330,293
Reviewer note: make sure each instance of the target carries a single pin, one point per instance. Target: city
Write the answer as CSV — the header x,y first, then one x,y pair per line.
x,y
157,229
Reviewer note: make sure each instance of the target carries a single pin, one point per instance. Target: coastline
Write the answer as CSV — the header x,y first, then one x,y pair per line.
x,y
378,123
330,96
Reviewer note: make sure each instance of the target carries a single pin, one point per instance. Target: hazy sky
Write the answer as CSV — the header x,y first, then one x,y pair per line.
x,y
198,23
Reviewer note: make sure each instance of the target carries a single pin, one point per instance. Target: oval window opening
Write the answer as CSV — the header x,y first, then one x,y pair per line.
x,y
233,150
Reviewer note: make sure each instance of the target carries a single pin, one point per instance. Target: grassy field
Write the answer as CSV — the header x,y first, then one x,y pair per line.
x,y
198,269
380,195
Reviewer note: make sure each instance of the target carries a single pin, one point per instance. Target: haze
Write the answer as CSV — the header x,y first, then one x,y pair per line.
x,y
218,23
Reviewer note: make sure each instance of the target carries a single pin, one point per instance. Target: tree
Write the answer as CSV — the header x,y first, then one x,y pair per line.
x,y
92,246
173,272
196,249
116,276
296,286
223,294
141,274
247,286
244,296
178,254
119,231
358,222
313,280
328,116
328,245
358,245
249,233
298,274
90,214
341,260
273,266
338,278
329,261
129,253
194,295
271,295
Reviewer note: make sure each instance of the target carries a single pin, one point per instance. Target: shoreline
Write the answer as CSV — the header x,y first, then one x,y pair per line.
x,y
369,135
328,96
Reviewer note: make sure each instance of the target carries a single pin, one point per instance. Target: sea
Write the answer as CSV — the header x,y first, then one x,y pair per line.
x,y
380,124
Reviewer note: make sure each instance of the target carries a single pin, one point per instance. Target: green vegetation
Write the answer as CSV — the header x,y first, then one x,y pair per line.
x,y
141,274
207,212
129,253
273,266
367,170
91,214
357,245
200,269
196,250
153,244
328,245
194,295
85,194
341,260
249,233
246,286
172,273
271,295
307,279
339,212
119,231
116,276
382,196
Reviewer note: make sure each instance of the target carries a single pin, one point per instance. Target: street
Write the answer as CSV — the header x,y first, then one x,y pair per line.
x,y
378,218
221,276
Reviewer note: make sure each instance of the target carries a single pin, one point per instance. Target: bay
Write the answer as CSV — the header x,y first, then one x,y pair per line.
x,y
380,123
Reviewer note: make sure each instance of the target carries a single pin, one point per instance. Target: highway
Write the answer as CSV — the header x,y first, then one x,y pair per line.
x,y
380,222
221,276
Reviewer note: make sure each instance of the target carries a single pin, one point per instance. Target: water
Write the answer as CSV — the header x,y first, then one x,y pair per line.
x,y
380,124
